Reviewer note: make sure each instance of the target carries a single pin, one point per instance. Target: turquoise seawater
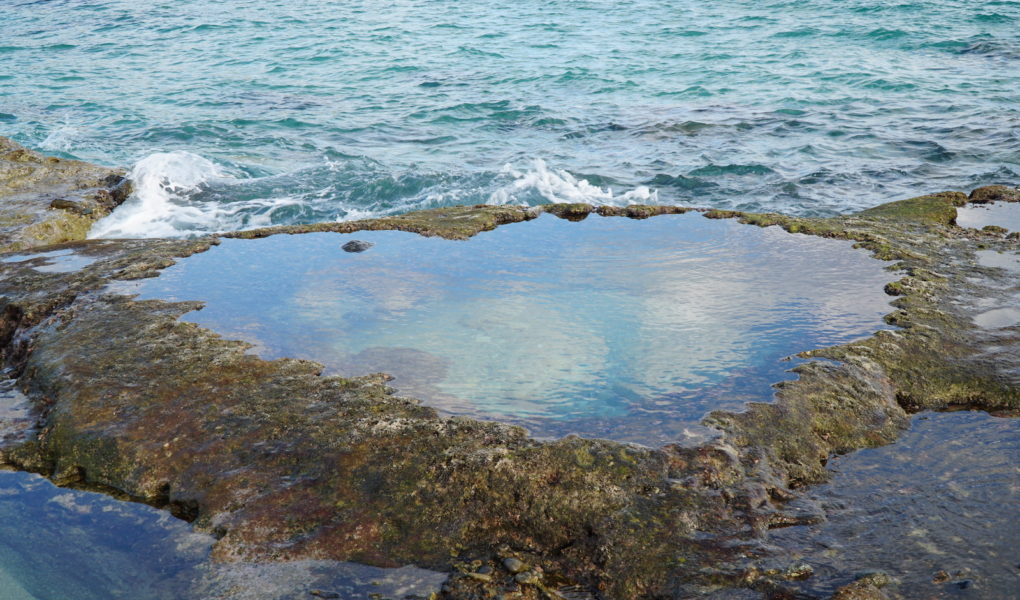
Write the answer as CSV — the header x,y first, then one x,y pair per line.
x,y
248,112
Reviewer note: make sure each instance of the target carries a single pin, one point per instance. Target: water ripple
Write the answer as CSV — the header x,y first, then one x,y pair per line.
x,y
834,106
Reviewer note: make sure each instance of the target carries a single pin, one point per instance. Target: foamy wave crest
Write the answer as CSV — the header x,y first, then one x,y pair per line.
x,y
168,201
179,194
541,185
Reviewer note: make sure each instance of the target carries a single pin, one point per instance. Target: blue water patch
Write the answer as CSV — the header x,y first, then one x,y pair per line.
x,y
610,327
935,511
57,544
888,99
65,544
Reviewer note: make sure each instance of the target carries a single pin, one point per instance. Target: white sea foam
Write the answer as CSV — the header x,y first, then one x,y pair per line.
x,y
67,136
166,201
557,185
179,194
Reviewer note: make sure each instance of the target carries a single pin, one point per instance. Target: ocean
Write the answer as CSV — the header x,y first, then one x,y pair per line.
x,y
246,113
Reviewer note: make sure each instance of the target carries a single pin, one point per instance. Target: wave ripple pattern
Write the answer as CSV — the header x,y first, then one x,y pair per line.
x,y
297,111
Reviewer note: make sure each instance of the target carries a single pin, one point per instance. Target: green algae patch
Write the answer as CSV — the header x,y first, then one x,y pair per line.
x,y
462,222
936,209
454,223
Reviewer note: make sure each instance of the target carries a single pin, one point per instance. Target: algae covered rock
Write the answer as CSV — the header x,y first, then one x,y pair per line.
x,y
47,200
994,193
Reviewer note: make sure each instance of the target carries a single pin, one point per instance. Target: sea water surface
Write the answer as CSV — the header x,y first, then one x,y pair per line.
x,y
242,113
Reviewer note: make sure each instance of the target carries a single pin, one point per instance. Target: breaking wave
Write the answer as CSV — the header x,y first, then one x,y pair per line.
x,y
178,194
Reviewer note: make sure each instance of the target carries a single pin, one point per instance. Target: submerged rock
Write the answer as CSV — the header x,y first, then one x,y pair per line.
x,y
514,565
868,587
356,246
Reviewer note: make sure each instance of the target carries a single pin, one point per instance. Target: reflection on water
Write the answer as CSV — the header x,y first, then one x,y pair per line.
x,y
55,261
62,544
1001,260
610,327
937,511
1003,214
998,318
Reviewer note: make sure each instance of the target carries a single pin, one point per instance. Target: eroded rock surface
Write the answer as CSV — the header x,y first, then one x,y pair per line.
x,y
283,464
47,200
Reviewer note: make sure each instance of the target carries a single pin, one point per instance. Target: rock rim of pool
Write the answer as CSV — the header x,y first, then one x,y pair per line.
x,y
281,464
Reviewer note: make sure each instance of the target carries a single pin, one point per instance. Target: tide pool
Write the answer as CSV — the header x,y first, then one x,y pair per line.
x,y
611,327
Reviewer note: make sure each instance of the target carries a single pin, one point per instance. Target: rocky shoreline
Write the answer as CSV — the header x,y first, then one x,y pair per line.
x,y
283,464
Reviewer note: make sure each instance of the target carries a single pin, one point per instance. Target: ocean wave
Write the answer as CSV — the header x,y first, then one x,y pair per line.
x,y
167,201
541,184
178,194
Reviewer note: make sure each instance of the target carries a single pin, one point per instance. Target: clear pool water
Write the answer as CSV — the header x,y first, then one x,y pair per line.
x,y
936,511
609,327
1001,214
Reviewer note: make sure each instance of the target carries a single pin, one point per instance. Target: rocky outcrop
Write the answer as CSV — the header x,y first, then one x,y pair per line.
x,y
994,193
281,463
47,200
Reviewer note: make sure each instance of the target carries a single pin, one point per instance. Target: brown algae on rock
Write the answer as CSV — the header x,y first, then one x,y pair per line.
x,y
283,464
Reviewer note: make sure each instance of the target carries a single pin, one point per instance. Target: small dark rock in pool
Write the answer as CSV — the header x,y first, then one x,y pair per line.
x,y
357,246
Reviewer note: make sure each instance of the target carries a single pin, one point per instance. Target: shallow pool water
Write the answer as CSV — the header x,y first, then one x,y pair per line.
x,y
64,544
936,511
58,544
1001,260
54,261
1002,214
998,318
610,327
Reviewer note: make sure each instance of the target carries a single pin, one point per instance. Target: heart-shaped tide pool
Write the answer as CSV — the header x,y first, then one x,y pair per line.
x,y
609,327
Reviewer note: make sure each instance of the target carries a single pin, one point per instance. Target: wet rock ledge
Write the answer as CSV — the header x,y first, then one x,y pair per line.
x,y
48,200
281,463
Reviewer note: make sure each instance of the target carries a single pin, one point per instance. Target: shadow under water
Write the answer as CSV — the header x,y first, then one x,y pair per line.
x,y
610,327
936,511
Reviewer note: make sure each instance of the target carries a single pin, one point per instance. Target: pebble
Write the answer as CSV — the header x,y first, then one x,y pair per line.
x,y
514,565
801,571
529,577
